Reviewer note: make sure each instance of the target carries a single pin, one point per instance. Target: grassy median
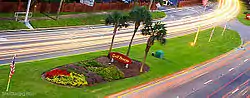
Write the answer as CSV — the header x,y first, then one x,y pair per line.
x,y
242,17
178,55
11,25
89,20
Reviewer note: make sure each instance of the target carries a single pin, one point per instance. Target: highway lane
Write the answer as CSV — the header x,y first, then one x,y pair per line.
x,y
214,84
45,43
241,91
31,55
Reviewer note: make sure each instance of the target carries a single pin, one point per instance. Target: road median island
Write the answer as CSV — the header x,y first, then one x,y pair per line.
x,y
179,55
245,9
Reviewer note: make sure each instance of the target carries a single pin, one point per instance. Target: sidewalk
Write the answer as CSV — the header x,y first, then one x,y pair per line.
x,y
242,29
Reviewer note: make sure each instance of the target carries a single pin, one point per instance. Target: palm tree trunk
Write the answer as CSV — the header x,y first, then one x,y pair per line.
x,y
112,41
131,41
145,57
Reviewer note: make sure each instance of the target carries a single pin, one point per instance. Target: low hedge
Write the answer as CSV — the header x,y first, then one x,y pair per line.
x,y
90,63
108,73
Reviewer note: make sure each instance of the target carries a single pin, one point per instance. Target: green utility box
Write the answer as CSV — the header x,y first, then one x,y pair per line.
x,y
159,54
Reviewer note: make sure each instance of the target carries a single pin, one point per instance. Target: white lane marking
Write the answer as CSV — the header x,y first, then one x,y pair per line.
x,y
235,90
244,93
3,39
245,60
208,82
231,69
220,75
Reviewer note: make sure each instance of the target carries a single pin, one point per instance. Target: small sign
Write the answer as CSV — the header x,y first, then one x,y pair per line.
x,y
248,16
120,58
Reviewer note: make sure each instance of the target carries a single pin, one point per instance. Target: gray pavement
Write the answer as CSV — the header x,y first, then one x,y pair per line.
x,y
25,43
203,86
176,13
241,28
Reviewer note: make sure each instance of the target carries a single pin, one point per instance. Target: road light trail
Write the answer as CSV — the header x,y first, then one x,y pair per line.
x,y
36,39
69,45
57,48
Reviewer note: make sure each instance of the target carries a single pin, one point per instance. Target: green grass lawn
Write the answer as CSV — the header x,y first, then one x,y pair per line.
x,y
156,15
242,17
11,25
37,14
178,53
89,20
7,15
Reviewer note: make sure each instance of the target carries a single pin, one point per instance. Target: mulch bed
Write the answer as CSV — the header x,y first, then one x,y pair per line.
x,y
93,79
131,71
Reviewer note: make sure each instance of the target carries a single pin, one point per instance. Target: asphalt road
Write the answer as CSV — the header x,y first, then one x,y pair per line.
x,y
216,83
41,44
186,12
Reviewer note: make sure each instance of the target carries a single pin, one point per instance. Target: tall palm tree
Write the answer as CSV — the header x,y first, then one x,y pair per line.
x,y
156,32
138,15
118,20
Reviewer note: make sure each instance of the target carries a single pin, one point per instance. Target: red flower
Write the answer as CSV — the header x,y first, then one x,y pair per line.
x,y
56,72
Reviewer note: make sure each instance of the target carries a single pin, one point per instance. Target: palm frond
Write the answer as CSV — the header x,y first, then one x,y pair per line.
x,y
156,32
140,14
118,19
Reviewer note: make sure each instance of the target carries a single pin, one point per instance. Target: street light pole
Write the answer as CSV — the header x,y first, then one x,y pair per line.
x,y
27,11
211,34
59,9
151,2
196,36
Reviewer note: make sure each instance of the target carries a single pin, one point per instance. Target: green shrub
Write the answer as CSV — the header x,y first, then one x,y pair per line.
x,y
246,12
108,73
158,14
90,63
73,79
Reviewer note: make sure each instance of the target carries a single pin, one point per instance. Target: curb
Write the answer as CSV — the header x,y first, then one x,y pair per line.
x,y
173,74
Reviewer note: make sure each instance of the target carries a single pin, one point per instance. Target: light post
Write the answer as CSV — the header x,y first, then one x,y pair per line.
x,y
199,26
27,11
59,9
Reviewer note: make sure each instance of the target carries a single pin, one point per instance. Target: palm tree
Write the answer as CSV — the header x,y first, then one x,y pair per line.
x,y
156,32
118,20
138,15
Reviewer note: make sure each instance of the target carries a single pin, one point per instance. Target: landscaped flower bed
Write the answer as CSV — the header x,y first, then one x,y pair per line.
x,y
91,72
63,77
